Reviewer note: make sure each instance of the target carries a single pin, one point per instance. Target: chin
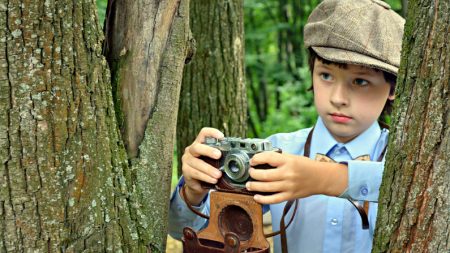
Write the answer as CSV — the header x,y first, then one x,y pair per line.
x,y
342,133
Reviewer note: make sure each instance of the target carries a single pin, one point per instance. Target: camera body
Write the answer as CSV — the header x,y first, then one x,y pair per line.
x,y
234,162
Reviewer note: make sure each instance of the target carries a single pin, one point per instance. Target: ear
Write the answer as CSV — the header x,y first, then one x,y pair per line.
x,y
391,97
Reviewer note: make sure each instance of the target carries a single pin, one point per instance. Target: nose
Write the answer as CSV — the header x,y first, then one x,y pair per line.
x,y
339,95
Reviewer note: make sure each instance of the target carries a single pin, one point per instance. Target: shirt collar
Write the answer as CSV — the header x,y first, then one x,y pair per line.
x,y
322,141
364,143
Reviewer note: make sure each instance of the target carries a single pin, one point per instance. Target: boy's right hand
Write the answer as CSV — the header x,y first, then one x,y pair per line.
x,y
196,170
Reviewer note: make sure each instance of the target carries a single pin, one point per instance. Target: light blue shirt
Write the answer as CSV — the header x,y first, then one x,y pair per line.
x,y
321,223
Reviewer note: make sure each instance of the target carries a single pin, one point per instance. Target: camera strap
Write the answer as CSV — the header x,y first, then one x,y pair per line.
x,y
189,205
283,227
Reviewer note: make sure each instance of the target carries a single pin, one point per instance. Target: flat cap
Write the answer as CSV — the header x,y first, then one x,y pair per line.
x,y
362,32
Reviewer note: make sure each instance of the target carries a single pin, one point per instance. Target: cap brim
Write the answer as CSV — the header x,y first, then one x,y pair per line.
x,y
349,57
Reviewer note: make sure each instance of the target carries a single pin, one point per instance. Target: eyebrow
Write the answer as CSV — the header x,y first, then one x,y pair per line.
x,y
362,72
322,65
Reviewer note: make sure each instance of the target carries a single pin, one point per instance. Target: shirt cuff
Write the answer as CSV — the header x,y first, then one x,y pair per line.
x,y
364,180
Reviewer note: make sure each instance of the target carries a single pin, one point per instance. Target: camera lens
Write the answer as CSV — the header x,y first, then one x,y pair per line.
x,y
236,166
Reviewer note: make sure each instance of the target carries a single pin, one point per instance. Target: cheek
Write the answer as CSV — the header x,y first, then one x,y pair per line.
x,y
371,106
319,97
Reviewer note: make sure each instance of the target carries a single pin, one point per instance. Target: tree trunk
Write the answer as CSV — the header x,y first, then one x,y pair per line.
x,y
213,90
414,214
66,183
63,179
146,47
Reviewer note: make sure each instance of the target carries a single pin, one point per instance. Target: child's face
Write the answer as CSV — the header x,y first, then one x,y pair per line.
x,y
348,99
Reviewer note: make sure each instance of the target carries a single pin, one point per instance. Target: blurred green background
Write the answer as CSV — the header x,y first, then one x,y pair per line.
x,y
277,76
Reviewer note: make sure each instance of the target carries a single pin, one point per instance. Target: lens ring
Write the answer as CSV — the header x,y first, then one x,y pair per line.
x,y
236,166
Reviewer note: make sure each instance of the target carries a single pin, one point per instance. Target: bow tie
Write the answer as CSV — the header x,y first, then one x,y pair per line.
x,y
325,158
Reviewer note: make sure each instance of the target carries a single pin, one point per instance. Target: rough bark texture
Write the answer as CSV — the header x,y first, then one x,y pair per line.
x,y
414,214
63,175
147,44
213,91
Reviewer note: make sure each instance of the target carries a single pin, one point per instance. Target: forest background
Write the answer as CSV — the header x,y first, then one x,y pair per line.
x,y
276,67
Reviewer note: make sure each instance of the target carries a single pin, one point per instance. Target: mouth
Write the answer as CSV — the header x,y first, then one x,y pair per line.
x,y
340,118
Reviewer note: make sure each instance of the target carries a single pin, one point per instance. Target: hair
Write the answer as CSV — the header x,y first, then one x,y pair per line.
x,y
389,77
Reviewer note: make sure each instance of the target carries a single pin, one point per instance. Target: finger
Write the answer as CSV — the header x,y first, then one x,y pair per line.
x,y
209,132
272,158
193,165
272,199
266,175
198,149
198,175
204,167
257,186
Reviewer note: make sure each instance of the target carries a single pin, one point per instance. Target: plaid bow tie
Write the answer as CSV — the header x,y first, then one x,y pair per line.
x,y
362,209
324,158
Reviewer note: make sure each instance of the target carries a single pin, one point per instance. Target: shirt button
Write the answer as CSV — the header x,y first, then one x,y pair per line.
x,y
364,191
334,221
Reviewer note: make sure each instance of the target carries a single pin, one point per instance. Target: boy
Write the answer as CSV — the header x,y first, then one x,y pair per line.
x,y
354,57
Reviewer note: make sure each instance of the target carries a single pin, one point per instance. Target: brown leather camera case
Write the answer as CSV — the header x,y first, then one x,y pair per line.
x,y
235,225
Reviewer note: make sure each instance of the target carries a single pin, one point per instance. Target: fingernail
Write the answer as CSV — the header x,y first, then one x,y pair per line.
x,y
218,174
247,185
217,153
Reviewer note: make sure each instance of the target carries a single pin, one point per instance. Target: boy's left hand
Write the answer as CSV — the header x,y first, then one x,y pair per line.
x,y
295,177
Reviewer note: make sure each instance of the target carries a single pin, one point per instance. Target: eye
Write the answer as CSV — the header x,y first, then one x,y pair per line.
x,y
325,76
360,82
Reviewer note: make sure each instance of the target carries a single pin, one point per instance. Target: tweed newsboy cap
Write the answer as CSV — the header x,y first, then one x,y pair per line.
x,y
362,32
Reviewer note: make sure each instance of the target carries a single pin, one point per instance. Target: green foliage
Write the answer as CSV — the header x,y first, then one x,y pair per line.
x,y
101,6
278,78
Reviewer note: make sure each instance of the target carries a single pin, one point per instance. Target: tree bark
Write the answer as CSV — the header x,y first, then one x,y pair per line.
x,y
63,179
66,183
213,89
146,47
414,213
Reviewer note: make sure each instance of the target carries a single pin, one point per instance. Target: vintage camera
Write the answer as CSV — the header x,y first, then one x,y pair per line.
x,y
235,223
234,162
